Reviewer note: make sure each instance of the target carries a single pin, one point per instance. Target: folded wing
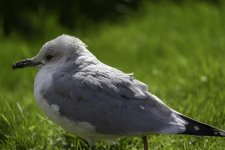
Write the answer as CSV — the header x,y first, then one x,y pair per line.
x,y
114,102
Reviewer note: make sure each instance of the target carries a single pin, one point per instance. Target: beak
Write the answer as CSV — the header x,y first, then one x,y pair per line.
x,y
25,63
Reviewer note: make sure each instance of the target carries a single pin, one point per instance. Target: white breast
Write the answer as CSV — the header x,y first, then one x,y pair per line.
x,y
43,81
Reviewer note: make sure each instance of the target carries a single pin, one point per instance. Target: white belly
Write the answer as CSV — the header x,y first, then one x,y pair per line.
x,y
43,81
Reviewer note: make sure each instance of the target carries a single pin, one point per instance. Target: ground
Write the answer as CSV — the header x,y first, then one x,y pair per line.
x,y
178,50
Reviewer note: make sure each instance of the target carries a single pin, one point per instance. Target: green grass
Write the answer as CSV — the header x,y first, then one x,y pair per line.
x,y
178,50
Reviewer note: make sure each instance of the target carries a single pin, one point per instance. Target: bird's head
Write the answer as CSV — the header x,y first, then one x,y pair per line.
x,y
53,51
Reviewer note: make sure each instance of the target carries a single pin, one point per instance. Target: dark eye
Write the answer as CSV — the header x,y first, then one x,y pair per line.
x,y
48,57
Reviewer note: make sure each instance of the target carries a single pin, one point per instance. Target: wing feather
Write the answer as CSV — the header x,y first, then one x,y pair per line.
x,y
111,81
109,99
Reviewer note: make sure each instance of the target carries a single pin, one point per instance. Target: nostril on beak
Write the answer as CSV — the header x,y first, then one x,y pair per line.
x,y
25,63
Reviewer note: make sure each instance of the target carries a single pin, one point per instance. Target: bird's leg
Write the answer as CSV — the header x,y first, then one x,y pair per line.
x,y
145,142
92,147
91,142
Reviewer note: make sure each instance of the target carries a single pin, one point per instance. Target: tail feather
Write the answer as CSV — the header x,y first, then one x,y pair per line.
x,y
197,128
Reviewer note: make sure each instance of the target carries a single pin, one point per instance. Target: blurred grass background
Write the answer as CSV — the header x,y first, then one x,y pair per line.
x,y
176,47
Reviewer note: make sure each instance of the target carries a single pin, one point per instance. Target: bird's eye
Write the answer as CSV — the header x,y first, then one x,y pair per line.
x,y
48,57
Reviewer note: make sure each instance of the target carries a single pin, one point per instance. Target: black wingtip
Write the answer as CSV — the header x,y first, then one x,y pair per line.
x,y
200,129
13,66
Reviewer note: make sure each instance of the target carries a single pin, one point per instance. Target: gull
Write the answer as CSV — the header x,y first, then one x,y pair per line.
x,y
97,102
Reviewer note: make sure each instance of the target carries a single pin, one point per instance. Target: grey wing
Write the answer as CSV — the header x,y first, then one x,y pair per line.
x,y
115,103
